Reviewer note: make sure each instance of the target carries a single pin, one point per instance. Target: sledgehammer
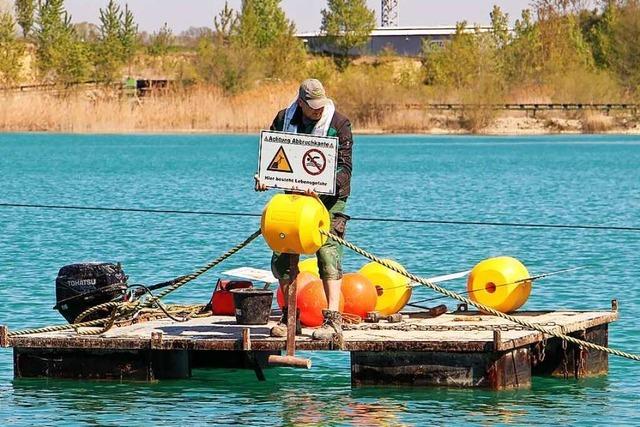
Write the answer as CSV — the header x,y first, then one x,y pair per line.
x,y
290,360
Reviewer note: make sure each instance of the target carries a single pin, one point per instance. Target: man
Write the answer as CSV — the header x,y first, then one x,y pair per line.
x,y
313,113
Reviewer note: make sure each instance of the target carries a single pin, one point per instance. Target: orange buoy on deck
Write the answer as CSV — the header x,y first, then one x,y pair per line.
x,y
360,295
302,280
392,288
291,223
311,301
500,283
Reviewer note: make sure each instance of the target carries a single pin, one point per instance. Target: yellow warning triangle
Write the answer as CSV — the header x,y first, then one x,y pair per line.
x,y
280,162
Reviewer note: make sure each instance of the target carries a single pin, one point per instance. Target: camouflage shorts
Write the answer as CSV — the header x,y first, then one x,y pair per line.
x,y
285,266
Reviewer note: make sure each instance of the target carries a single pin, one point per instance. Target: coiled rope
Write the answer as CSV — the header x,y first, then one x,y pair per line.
x,y
479,306
123,309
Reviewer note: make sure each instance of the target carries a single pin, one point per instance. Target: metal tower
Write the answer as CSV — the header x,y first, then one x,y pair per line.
x,y
389,13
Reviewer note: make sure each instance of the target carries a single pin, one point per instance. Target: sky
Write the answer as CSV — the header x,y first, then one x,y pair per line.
x,y
182,14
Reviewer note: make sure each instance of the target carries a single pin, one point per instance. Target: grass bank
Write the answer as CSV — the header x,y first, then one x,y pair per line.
x,y
208,109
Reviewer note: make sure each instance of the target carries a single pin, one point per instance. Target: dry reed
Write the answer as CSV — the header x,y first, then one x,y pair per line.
x,y
192,110
597,123
208,109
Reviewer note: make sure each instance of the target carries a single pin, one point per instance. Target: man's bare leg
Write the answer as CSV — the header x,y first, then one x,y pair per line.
x,y
332,290
280,330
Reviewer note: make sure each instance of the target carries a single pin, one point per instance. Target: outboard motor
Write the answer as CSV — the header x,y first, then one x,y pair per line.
x,y
82,286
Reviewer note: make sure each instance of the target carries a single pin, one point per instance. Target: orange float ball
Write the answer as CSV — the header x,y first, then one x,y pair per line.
x,y
302,280
360,295
311,302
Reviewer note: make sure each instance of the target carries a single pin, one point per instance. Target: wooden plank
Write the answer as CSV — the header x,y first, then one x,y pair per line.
x,y
510,369
499,370
221,333
141,365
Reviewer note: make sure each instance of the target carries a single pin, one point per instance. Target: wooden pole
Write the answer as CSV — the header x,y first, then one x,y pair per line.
x,y
290,359
291,318
4,336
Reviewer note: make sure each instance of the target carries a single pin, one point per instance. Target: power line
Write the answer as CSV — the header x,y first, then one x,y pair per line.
x,y
368,219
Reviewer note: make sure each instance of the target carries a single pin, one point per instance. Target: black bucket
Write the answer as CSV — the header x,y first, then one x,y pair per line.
x,y
253,306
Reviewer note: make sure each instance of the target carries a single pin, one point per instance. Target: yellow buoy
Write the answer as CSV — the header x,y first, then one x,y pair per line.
x,y
393,288
310,265
499,283
291,223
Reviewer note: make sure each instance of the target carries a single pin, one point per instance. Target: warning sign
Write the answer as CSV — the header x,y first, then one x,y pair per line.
x,y
280,163
298,162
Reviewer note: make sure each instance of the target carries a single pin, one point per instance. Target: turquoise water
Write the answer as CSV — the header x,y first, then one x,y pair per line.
x,y
562,179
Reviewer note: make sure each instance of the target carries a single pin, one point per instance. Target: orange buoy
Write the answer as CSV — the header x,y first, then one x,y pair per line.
x,y
311,302
360,295
302,280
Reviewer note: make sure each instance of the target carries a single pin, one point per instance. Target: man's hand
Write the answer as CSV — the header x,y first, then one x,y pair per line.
x,y
258,185
311,193
307,192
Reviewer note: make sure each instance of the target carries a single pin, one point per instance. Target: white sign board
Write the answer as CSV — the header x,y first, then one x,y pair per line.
x,y
300,162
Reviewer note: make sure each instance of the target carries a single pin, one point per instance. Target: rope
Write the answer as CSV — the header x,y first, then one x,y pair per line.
x,y
479,306
375,219
119,309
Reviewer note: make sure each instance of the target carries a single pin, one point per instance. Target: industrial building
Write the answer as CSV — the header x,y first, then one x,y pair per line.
x,y
406,41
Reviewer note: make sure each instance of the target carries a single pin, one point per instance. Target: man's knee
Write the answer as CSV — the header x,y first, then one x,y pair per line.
x,y
284,266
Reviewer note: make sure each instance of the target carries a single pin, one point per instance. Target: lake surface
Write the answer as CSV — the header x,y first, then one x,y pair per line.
x,y
548,179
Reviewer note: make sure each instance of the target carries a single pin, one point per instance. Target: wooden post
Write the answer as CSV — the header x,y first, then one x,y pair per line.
x,y
4,336
291,317
246,339
156,340
290,359
497,340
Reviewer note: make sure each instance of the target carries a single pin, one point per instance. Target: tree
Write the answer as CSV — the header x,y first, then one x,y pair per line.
x,y
455,64
225,24
87,32
161,41
227,60
523,56
11,50
61,55
625,47
261,23
347,24
25,10
499,27
109,49
128,35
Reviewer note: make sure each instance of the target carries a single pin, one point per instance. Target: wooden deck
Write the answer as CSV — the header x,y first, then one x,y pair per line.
x,y
456,349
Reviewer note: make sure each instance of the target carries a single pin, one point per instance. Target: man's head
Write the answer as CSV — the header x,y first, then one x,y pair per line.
x,y
312,99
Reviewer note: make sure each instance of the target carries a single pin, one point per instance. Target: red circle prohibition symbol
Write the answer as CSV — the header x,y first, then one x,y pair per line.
x,y
314,162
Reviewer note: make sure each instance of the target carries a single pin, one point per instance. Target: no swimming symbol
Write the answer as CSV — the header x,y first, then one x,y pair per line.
x,y
314,162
